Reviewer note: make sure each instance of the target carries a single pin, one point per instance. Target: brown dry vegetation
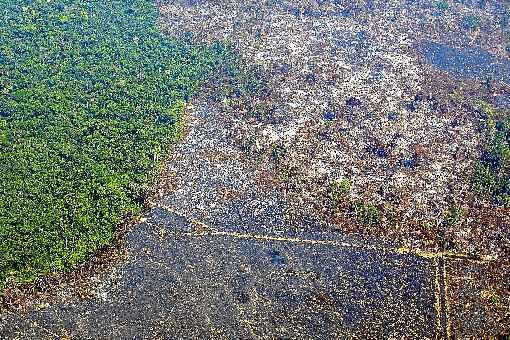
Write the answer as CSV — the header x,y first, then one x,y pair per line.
x,y
345,96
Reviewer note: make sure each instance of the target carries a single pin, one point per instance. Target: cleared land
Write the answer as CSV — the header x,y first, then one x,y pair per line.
x,y
387,119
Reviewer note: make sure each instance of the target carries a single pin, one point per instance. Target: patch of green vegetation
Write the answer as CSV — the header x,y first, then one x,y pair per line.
x,y
283,174
391,216
470,22
91,94
454,215
367,214
241,78
442,5
339,190
492,295
244,86
492,173
278,153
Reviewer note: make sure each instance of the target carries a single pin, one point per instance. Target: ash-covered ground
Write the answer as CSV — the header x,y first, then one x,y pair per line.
x,y
367,116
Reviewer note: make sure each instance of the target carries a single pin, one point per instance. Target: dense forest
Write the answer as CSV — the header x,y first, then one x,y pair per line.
x,y
91,94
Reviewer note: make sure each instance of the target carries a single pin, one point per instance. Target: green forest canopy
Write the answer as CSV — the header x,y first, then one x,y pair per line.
x,y
90,93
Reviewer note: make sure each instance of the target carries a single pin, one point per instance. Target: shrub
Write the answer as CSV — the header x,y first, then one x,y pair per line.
x,y
442,5
454,215
492,173
367,214
339,190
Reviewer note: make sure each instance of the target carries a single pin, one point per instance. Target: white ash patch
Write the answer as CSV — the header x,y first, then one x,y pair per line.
x,y
363,73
